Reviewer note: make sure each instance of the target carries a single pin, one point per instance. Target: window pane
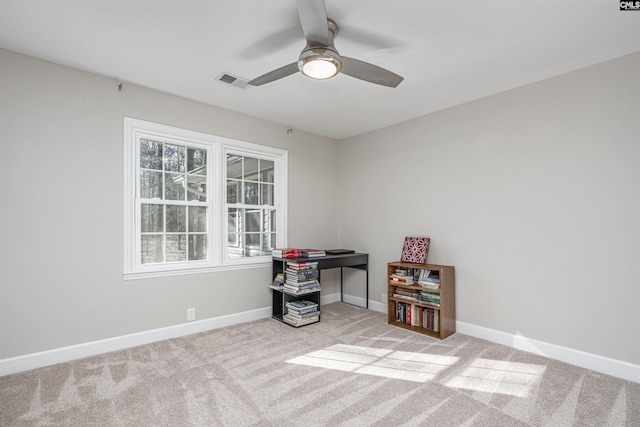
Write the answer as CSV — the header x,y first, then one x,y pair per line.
x,y
266,170
151,218
176,247
197,219
174,186
234,166
234,247
152,246
233,190
176,219
272,221
150,185
252,220
150,155
267,243
252,245
250,193
197,188
173,158
233,220
266,194
197,247
250,169
196,161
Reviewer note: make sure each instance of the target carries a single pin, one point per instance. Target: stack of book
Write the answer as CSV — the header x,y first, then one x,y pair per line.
x,y
278,282
401,278
301,277
310,253
301,312
285,253
429,282
407,294
429,298
416,315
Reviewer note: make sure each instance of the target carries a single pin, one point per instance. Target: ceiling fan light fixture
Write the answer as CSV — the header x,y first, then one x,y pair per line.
x,y
320,63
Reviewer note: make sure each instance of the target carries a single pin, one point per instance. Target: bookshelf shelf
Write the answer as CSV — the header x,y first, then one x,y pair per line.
x,y
281,298
430,311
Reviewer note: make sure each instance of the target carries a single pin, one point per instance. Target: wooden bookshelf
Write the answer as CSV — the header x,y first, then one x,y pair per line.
x,y
438,321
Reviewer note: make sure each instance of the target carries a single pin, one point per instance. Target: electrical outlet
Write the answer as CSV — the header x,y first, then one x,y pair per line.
x,y
191,314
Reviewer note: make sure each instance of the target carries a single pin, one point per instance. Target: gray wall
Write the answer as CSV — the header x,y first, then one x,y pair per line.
x,y
532,194
61,162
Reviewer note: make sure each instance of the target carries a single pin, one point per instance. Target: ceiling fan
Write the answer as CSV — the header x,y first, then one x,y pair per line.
x,y
319,59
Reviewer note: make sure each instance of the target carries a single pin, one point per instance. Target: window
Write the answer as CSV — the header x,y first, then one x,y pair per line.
x,y
250,209
197,202
173,202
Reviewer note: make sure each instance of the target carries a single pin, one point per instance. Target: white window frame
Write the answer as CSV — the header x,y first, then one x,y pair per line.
x,y
217,149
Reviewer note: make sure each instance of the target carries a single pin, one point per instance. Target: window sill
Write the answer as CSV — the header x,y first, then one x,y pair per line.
x,y
182,272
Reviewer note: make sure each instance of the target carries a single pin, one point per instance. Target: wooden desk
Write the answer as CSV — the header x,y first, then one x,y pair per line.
x,y
353,260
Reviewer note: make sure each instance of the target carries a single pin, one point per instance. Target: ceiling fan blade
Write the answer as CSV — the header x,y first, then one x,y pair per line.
x,y
276,74
369,72
273,42
313,18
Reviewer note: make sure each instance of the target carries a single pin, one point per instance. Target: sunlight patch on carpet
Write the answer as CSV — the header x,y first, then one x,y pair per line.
x,y
381,362
498,376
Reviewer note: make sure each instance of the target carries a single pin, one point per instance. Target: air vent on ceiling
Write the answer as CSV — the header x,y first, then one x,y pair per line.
x,y
233,80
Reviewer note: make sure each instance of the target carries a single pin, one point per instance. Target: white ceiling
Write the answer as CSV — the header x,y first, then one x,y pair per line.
x,y
449,52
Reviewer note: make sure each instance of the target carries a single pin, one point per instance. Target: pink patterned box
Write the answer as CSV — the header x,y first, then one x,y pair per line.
x,y
415,250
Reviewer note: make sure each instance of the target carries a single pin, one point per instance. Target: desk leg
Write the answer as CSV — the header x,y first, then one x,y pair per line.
x,y
367,284
341,291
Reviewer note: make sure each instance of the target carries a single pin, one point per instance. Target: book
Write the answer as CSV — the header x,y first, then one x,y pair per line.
x,y
303,313
298,265
406,294
430,280
404,280
302,309
300,291
285,253
306,274
278,282
429,298
405,297
431,319
304,285
303,316
415,250
301,304
300,322
310,253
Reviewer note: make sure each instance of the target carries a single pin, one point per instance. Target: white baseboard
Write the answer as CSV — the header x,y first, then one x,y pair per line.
x,y
616,368
79,351
605,365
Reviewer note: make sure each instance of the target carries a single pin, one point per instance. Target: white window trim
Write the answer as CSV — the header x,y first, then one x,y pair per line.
x,y
218,147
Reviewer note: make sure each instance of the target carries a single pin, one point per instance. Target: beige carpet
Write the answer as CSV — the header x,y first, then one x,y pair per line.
x,y
352,369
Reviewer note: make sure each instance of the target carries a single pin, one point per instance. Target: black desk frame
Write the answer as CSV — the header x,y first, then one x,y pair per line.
x,y
354,260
